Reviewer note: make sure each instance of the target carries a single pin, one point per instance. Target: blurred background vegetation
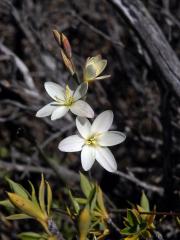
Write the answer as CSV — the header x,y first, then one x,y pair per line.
x,y
145,110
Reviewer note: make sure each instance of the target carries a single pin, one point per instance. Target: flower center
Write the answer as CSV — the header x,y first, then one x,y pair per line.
x,y
68,101
91,141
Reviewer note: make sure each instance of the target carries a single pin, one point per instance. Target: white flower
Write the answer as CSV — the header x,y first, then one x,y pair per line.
x,y
93,68
93,141
64,100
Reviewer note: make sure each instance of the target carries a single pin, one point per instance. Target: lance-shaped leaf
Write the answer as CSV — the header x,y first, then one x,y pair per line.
x,y
49,197
7,204
74,202
18,216
26,206
132,217
84,223
42,195
81,201
92,199
31,236
33,195
145,202
86,186
17,188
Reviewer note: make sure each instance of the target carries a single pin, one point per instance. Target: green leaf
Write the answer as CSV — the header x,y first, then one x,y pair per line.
x,y
74,202
130,230
49,197
33,195
31,236
42,194
6,204
132,218
126,222
126,231
145,202
85,185
91,201
18,189
18,216
81,201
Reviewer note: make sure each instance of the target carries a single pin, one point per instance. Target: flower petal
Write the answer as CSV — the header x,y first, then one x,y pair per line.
x,y
90,72
100,66
87,157
73,143
59,112
102,77
80,91
68,92
84,126
46,110
111,138
103,122
94,59
82,109
54,90
106,159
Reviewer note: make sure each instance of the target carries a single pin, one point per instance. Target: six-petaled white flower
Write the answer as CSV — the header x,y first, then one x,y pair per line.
x,y
93,68
93,141
64,100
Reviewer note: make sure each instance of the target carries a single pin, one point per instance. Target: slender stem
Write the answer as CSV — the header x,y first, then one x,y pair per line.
x,y
90,175
76,78
113,225
52,227
118,210
171,213
161,213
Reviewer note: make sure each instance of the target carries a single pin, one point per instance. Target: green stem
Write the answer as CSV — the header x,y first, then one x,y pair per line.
x,y
76,78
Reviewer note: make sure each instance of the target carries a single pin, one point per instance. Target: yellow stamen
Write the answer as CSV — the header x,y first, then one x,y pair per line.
x,y
68,97
91,141
67,92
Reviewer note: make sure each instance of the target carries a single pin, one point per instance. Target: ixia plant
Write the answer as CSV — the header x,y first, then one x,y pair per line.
x,y
93,140
88,212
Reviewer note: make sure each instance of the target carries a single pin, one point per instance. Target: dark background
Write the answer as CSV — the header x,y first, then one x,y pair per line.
x,y
145,108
